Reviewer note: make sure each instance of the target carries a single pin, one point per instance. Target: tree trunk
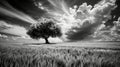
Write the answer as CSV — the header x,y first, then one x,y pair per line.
x,y
46,41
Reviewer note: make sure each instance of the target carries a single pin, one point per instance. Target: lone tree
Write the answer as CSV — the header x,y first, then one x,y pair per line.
x,y
45,29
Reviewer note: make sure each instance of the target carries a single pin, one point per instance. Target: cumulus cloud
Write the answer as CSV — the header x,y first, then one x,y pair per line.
x,y
91,18
80,22
107,33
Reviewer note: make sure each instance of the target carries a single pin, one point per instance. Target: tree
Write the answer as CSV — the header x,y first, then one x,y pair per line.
x,y
45,29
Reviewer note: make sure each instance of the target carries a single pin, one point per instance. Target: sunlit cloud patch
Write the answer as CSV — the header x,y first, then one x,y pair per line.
x,y
78,22
12,29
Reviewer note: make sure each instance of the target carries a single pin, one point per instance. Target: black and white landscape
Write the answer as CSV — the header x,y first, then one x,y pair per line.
x,y
59,33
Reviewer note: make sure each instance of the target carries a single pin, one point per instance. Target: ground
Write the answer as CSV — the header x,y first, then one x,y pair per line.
x,y
69,54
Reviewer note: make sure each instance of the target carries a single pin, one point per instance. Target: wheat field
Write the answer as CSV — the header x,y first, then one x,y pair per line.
x,y
58,56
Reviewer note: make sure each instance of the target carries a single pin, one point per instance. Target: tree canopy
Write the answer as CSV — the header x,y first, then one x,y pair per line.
x,y
44,29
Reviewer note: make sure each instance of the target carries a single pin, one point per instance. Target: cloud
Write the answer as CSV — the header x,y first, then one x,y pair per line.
x,y
12,29
4,25
80,22
107,33
10,11
3,36
91,19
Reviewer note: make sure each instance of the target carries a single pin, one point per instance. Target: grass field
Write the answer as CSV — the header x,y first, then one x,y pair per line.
x,y
26,55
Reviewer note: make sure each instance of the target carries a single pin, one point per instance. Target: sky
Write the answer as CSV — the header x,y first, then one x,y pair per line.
x,y
80,19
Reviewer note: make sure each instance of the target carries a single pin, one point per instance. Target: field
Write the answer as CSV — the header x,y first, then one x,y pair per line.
x,y
59,55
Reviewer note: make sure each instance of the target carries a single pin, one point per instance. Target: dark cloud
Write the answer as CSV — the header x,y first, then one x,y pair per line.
x,y
115,14
27,6
101,13
15,21
79,2
82,32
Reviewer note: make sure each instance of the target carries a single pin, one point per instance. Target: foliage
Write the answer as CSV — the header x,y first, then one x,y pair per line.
x,y
44,29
